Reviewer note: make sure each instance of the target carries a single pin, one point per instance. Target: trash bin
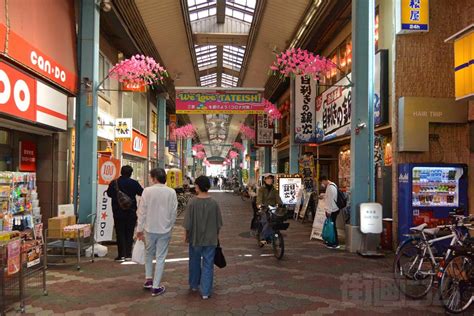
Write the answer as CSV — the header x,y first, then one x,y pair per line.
x,y
386,236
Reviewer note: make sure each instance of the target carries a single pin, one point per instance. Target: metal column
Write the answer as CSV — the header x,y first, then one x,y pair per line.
x,y
294,148
161,130
189,152
86,111
362,121
267,160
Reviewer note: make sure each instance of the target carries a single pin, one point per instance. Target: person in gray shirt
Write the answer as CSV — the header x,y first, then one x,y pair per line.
x,y
203,221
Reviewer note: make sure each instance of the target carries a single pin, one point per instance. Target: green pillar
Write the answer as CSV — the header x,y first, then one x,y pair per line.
x,y
362,120
161,130
86,111
267,160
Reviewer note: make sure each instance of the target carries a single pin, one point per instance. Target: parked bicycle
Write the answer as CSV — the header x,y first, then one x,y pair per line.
x,y
418,263
276,216
456,286
184,195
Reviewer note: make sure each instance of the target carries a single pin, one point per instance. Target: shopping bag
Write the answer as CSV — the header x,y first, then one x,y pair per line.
x,y
219,259
138,253
329,233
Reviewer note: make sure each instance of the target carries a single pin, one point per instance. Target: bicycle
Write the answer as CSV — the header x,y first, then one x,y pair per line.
x,y
415,265
245,194
276,216
183,196
456,286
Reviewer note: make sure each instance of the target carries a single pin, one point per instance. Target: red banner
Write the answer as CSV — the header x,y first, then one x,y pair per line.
x,y
109,169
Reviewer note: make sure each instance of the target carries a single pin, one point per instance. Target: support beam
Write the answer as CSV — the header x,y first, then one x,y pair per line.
x,y
362,142
161,130
294,148
86,123
220,39
220,64
225,70
220,11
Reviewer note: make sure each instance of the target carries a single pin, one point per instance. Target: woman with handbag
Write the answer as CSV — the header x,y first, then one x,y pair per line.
x,y
203,221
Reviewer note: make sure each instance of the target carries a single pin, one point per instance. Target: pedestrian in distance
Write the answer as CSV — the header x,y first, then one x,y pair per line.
x,y
202,222
124,211
156,219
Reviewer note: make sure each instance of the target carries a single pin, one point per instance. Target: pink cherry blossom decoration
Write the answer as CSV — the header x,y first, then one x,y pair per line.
x,y
296,62
271,110
233,154
198,147
139,69
200,155
186,131
248,132
238,146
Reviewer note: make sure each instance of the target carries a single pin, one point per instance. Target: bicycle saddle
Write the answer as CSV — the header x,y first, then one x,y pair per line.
x,y
419,228
429,231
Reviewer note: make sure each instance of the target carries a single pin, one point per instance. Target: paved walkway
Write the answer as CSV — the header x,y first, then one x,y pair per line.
x,y
311,280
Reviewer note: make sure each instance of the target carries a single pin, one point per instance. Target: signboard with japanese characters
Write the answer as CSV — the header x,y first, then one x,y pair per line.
x,y
288,188
305,116
371,218
211,101
108,171
412,16
123,129
264,131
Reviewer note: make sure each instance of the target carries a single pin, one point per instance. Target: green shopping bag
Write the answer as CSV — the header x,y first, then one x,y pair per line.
x,y
329,233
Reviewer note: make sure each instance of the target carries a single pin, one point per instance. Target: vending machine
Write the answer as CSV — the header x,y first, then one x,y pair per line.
x,y
427,193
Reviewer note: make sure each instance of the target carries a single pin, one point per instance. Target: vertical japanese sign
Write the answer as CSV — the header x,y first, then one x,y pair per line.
x,y
413,16
108,169
288,188
307,170
305,116
172,145
123,129
264,131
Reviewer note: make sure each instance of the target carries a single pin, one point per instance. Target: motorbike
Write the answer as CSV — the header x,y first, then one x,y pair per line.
x,y
276,217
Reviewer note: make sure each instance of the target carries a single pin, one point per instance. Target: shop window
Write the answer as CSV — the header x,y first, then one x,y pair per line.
x,y
4,137
134,105
104,68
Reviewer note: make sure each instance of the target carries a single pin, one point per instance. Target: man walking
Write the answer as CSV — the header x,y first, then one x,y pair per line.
x,y
332,210
125,220
156,218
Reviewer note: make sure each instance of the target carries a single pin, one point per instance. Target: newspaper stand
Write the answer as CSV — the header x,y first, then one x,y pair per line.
x,y
29,281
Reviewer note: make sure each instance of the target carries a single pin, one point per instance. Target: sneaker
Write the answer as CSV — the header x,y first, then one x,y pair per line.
x,y
119,259
332,247
205,297
128,259
159,291
193,289
148,284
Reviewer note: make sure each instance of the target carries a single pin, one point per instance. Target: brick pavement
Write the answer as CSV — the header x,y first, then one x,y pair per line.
x,y
311,280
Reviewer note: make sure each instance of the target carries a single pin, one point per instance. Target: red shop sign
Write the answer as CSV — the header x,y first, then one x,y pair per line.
x,y
134,86
138,146
27,156
29,99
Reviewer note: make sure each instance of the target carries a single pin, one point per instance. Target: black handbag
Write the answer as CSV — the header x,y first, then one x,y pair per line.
x,y
123,200
219,259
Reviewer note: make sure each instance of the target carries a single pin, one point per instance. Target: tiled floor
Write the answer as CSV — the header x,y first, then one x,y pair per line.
x,y
311,280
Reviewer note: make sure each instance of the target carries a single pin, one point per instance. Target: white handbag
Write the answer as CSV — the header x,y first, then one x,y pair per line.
x,y
138,254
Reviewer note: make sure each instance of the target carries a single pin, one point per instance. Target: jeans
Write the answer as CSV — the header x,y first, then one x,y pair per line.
x,y
124,229
201,268
156,247
267,230
333,219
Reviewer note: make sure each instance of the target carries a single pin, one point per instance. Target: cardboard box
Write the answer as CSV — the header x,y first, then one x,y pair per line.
x,y
55,233
57,223
71,220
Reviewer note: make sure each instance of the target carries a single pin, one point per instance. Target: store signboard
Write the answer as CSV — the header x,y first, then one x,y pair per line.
x,y
172,144
138,146
27,98
202,101
371,218
412,16
130,86
305,114
123,129
333,106
108,169
288,188
48,51
154,150
105,125
264,131
27,156
307,171
463,62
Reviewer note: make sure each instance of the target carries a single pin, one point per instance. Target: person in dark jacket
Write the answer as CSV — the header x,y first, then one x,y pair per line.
x,y
125,220
267,195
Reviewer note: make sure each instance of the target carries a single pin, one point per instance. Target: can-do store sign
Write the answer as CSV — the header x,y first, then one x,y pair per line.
x,y
29,99
138,146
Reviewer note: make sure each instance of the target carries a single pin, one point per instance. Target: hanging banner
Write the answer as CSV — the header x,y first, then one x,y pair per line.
x,y
172,144
307,171
412,16
199,101
108,169
264,131
105,125
123,129
305,116
288,188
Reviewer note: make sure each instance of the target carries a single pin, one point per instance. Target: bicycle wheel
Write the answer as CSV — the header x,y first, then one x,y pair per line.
x,y
456,287
245,196
278,245
414,272
181,204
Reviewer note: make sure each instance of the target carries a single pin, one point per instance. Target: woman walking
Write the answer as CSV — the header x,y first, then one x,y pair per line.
x,y
202,222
